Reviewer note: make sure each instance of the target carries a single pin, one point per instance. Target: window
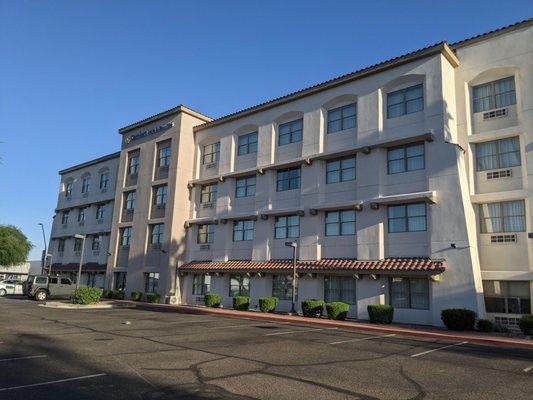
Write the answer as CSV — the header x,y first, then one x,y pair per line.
x,y
164,156
287,227
161,195
340,223
208,193
282,287
340,170
291,132
288,179
151,282
201,284
405,158
61,245
509,297
247,144
342,118
239,285
131,198
65,281
206,234
243,230
91,279
68,189
405,101
409,293
64,217
104,180
504,153
211,153
81,214
508,216
77,244
245,186
157,233
125,236
340,288
100,211
133,166
120,281
407,218
97,241
500,93
86,184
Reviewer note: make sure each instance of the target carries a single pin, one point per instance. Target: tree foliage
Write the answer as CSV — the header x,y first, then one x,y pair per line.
x,y
14,245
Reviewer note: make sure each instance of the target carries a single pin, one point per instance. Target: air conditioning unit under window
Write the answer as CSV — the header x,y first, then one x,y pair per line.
x,y
502,173
502,112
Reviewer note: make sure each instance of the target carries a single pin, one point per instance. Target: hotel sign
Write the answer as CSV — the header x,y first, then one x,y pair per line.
x,y
143,134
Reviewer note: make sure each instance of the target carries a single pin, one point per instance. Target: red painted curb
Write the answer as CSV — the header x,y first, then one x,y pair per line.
x,y
429,333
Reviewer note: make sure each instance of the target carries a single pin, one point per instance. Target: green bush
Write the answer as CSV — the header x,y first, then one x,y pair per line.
x,y
458,319
117,294
241,303
136,296
526,324
268,304
484,325
380,313
212,300
107,294
86,295
337,310
312,308
153,298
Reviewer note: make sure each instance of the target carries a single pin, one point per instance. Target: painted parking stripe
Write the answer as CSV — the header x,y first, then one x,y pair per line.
x,y
361,339
528,368
298,331
23,358
440,348
51,382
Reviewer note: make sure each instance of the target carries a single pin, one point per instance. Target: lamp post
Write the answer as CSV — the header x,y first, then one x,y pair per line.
x,y
43,260
294,246
82,238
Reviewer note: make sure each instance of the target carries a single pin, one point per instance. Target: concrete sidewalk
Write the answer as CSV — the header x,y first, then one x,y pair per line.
x,y
429,332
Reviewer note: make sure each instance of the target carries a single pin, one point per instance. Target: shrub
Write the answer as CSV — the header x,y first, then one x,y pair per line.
x,y
153,298
312,308
136,296
380,313
526,324
86,295
241,303
458,319
337,310
268,304
107,294
212,300
484,325
117,294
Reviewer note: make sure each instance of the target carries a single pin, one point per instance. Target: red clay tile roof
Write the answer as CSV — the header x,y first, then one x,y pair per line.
x,y
385,265
87,267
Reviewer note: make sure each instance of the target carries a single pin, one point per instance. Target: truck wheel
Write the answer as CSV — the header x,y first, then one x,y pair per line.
x,y
2,292
41,295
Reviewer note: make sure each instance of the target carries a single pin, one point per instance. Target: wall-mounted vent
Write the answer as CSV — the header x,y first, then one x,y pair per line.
x,y
104,190
60,254
502,173
509,322
68,198
207,205
64,226
160,206
502,112
81,223
96,252
204,247
156,246
209,166
85,194
503,239
100,221
77,253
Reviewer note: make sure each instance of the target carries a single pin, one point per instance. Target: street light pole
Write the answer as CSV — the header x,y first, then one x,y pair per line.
x,y
43,260
82,237
294,246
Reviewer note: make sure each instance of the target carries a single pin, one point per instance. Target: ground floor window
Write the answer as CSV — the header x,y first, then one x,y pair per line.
x,y
509,297
282,287
201,284
409,293
120,281
340,288
91,278
151,282
239,285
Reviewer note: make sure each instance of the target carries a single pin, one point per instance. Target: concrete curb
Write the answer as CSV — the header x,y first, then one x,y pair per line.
x,y
471,337
70,306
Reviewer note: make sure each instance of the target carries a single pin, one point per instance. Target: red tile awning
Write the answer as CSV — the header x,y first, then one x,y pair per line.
x,y
87,267
393,265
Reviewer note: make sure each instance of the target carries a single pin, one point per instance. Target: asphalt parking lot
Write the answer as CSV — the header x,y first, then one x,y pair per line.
x,y
94,354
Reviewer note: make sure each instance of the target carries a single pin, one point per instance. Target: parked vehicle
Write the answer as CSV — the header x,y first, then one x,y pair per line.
x,y
42,287
10,286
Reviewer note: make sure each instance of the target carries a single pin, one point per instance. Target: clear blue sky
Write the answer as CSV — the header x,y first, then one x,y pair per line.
x,y
73,72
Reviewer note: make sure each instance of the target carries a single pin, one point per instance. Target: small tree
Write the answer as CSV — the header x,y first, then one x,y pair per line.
x,y
14,246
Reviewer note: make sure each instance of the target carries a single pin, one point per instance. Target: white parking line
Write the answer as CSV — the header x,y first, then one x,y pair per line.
x,y
301,330
23,358
361,339
528,368
51,382
440,348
